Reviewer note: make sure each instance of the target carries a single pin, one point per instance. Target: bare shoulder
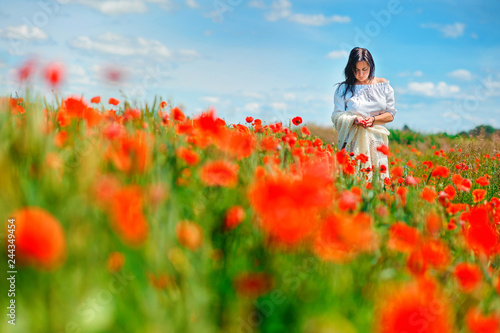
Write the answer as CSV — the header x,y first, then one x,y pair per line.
x,y
381,79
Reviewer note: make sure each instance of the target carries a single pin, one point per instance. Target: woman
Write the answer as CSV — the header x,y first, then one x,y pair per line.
x,y
363,104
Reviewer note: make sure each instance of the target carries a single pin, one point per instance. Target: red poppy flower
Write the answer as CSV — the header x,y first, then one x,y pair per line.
x,y
115,262
189,156
479,323
234,216
483,181
411,307
429,195
481,234
127,217
362,158
397,172
163,104
96,99
54,74
462,184
403,238
317,142
468,276
383,149
177,114
113,101
74,107
25,72
283,202
189,235
297,121
304,130
39,238
478,195
220,173
342,237
440,171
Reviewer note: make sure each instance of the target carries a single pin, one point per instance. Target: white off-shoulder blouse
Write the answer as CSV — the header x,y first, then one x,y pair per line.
x,y
367,100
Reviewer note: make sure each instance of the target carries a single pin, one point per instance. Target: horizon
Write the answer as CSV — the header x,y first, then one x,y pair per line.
x,y
272,60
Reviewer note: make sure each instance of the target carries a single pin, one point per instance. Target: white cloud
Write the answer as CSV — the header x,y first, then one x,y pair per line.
x,y
318,20
289,97
115,44
442,89
117,7
461,74
208,33
279,9
280,106
448,31
251,94
120,7
337,54
257,4
192,4
23,32
211,100
282,9
78,75
187,55
252,108
418,73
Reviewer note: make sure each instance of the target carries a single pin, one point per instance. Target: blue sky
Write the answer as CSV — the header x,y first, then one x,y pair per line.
x,y
272,60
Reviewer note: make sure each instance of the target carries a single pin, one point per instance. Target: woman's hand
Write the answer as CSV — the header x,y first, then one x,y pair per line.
x,y
369,121
358,121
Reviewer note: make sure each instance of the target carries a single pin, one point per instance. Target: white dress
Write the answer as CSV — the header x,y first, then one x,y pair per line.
x,y
367,100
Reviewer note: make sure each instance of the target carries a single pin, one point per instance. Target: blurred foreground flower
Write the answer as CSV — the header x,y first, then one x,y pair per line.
x,y
40,238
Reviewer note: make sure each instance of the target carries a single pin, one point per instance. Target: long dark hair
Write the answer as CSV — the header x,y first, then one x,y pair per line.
x,y
357,54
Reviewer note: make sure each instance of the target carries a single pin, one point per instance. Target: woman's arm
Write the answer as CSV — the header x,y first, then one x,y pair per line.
x,y
379,119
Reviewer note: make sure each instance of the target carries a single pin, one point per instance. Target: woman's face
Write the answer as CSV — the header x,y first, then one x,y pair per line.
x,y
362,71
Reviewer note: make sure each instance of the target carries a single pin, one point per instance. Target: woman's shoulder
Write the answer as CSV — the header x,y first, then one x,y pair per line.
x,y
380,80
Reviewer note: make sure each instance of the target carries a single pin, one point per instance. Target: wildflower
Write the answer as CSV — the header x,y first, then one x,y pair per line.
x,y
397,172
219,173
402,237
234,216
189,156
189,235
177,114
480,233
383,149
478,195
53,74
253,284
482,181
127,217
297,121
40,240
407,308
115,262
428,195
342,237
113,101
468,276
440,171
479,323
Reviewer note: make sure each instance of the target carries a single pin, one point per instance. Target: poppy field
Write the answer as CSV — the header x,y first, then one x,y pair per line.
x,y
143,219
